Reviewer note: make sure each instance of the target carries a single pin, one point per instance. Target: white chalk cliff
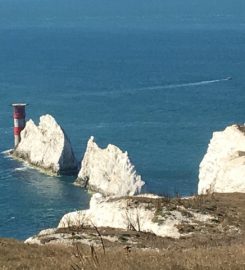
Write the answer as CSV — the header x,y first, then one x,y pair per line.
x,y
133,213
108,171
223,167
46,146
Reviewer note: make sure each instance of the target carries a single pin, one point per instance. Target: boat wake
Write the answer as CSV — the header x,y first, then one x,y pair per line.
x,y
154,88
169,86
7,221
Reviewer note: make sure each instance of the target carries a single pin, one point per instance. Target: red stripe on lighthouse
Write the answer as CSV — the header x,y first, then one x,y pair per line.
x,y
17,130
19,120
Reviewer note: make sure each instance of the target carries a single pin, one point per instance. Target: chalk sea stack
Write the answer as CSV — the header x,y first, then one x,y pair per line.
x,y
108,171
47,147
223,167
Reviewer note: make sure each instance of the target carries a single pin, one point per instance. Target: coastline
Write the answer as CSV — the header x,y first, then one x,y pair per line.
x,y
215,246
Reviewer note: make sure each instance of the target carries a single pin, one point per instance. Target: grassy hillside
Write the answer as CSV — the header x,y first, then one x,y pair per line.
x,y
220,246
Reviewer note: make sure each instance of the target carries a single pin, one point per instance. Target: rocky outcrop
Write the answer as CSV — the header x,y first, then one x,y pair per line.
x,y
138,213
223,167
46,146
117,217
137,220
108,171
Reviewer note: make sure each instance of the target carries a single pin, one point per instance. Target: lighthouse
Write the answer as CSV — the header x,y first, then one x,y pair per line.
x,y
19,120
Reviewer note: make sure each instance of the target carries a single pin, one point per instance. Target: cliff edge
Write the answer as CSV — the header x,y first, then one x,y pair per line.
x,y
223,167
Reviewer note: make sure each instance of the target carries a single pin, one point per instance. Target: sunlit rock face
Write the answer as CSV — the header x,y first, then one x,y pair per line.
x,y
146,213
140,213
223,167
108,171
47,147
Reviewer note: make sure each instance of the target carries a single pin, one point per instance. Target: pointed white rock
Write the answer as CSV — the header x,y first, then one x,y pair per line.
x,y
108,171
223,167
46,146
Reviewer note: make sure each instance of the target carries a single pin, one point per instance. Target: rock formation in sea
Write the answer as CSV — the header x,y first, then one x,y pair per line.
x,y
108,171
46,146
223,167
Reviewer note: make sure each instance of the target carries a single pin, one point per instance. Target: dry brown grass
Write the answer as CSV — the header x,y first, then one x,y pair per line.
x,y
16,255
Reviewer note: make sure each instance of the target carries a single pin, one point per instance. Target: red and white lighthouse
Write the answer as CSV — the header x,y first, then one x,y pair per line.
x,y
19,120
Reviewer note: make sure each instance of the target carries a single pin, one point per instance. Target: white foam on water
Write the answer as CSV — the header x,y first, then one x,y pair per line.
x,y
190,84
6,152
153,88
107,125
21,169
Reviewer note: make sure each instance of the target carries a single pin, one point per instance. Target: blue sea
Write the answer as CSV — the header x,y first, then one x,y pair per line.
x,y
151,78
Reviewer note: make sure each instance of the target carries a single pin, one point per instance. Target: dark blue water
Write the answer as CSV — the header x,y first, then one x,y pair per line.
x,y
152,81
